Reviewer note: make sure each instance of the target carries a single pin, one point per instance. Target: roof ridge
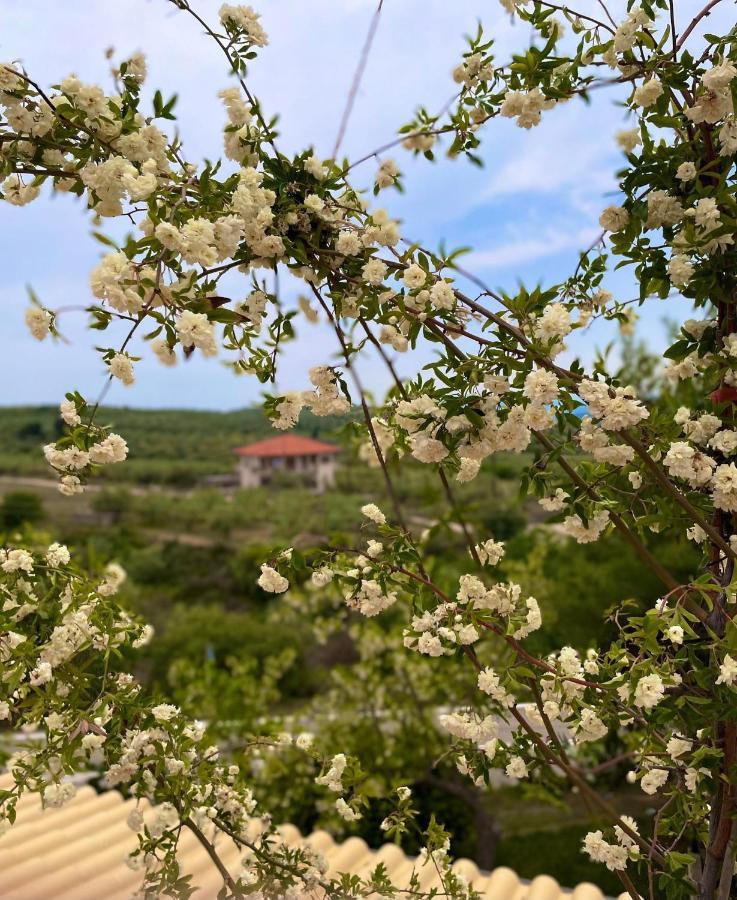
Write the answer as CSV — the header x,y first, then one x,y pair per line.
x,y
93,828
286,445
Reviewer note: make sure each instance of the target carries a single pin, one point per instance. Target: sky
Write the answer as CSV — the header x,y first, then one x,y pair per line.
x,y
527,213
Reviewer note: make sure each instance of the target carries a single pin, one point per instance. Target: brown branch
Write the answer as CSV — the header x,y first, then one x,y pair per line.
x,y
441,474
617,520
679,498
629,536
582,784
358,75
695,21
364,407
185,7
212,853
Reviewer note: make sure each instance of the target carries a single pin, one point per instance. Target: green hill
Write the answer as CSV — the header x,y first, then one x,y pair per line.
x,y
168,446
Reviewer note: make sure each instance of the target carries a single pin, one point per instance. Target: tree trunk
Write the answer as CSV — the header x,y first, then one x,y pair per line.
x,y
715,876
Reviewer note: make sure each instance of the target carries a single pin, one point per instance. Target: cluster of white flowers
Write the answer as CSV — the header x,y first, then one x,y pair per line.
x,y
25,114
472,70
714,102
70,461
727,671
370,598
467,726
439,631
253,204
489,552
239,136
526,107
724,487
490,683
628,139
332,779
118,282
648,93
683,460
541,386
663,210
109,182
654,775
614,218
387,174
555,502
325,400
616,408
246,20
589,727
649,691
57,794
559,690
586,533
15,192
39,321
372,512
626,33
504,600
595,440
346,811
121,367
680,269
686,462
195,330
270,580
16,561
614,856
553,324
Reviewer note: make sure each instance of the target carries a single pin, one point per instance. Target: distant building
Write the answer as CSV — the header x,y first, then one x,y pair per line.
x,y
313,460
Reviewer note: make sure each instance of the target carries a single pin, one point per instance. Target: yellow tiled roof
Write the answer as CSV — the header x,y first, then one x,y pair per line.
x,y
77,853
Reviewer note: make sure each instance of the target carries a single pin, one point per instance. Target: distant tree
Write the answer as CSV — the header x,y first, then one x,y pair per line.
x,y
20,508
32,431
116,502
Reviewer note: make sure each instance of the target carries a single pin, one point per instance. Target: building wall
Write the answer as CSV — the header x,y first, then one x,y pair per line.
x,y
248,472
325,472
256,471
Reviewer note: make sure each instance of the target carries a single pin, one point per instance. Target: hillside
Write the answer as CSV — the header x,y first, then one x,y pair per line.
x,y
174,446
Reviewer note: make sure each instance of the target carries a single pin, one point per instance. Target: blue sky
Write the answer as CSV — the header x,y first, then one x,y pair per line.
x,y
526,213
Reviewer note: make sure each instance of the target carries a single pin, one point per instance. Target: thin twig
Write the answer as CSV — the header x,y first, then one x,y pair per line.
x,y
357,76
695,21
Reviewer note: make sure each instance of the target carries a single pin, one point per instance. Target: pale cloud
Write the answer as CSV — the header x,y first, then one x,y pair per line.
x,y
527,249
569,160
541,190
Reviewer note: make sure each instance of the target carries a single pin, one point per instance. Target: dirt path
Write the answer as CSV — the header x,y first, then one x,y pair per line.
x,y
48,484
181,537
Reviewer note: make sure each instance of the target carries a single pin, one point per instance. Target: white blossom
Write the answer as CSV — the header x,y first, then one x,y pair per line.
x,y
270,580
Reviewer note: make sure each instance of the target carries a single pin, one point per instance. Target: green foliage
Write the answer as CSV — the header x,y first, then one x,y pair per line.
x,y
167,447
20,508
578,585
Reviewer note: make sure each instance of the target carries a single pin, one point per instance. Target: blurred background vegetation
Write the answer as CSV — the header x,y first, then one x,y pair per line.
x,y
247,662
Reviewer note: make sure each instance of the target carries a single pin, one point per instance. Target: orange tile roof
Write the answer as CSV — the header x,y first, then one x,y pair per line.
x,y
286,445
77,852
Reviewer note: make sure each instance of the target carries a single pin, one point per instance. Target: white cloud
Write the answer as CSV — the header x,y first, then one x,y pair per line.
x,y
526,249
554,174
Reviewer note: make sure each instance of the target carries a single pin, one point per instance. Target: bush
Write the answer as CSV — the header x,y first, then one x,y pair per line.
x,y
20,508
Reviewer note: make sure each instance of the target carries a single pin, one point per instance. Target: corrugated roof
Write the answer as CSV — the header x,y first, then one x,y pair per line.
x,y
286,445
78,852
